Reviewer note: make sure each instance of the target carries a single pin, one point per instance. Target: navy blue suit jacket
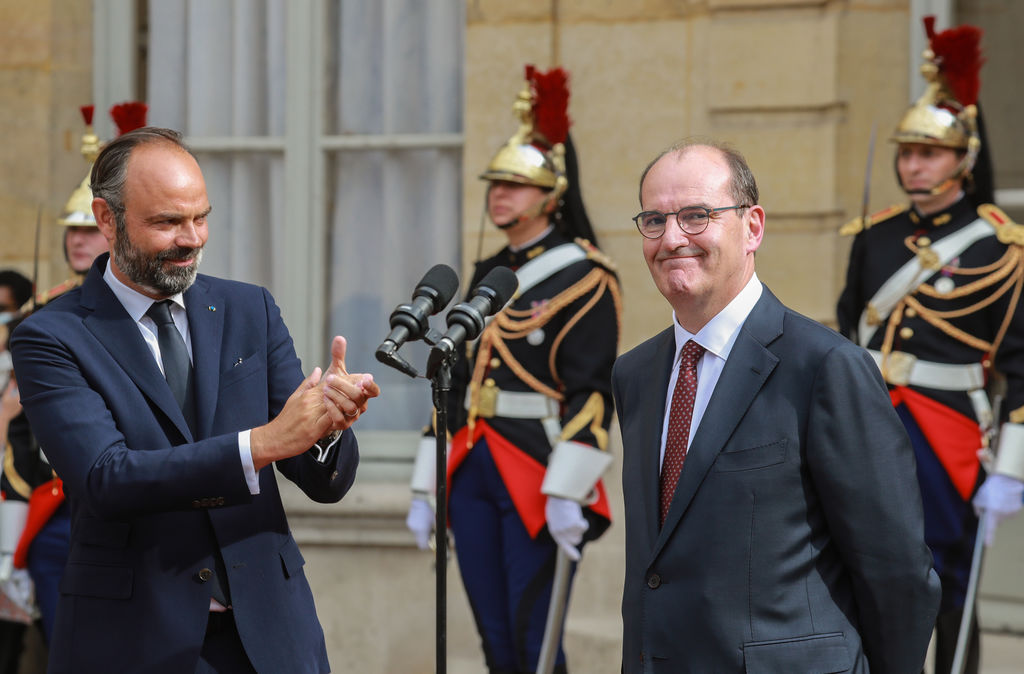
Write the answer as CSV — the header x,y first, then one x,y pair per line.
x,y
794,542
150,502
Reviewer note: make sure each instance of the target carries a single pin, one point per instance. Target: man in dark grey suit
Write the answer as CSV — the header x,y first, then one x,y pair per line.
x,y
773,518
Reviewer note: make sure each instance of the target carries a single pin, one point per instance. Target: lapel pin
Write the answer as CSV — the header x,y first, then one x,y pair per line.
x,y
211,308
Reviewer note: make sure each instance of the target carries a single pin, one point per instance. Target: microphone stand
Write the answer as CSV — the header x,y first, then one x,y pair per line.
x,y
441,386
440,374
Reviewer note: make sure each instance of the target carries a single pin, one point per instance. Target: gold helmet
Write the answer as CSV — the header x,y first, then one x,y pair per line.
x,y
946,114
535,154
127,116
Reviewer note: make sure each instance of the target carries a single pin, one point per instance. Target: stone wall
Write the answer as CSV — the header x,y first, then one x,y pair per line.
x,y
45,75
796,85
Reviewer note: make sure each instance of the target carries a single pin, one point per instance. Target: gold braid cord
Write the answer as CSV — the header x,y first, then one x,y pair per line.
x,y
17,482
591,413
1007,269
511,324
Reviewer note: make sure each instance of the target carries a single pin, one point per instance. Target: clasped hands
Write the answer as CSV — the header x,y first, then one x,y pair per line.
x,y
323,402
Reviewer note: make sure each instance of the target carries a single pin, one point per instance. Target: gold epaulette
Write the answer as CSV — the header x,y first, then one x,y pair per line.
x,y
594,253
858,225
58,290
1007,231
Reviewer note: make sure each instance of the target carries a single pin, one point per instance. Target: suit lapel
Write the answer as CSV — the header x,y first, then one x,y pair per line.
x,y
119,334
747,368
205,312
653,415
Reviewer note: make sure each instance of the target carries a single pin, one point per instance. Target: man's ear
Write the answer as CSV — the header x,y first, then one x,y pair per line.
x,y
755,227
106,221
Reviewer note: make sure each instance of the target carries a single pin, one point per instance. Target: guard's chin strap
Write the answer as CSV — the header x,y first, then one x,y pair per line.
x,y
530,213
960,173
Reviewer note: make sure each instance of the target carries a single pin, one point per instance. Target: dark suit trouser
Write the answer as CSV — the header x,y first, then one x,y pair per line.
x,y
507,575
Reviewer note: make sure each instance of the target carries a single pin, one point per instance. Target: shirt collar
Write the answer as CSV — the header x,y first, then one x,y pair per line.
x,y
134,302
719,334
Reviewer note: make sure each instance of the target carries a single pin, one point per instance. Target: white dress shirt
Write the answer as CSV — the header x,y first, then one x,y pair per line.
x,y
137,304
717,338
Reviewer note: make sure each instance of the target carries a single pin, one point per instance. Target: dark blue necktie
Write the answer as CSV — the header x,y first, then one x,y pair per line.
x,y
174,355
178,372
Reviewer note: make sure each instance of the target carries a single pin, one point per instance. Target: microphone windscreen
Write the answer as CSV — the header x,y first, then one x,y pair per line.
x,y
444,281
503,282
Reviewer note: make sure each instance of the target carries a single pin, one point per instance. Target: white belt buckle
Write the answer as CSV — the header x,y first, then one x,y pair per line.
x,y
898,366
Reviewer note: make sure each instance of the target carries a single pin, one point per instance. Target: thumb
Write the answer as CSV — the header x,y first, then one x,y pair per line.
x,y
338,346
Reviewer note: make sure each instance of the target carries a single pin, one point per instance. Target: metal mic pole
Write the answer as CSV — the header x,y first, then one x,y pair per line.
x,y
441,385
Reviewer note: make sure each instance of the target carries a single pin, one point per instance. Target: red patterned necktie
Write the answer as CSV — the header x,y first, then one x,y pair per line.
x,y
680,415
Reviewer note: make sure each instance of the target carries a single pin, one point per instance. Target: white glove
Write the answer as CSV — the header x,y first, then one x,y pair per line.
x,y
566,524
998,499
19,590
420,521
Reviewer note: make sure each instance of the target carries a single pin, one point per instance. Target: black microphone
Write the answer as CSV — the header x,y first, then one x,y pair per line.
x,y
466,319
409,321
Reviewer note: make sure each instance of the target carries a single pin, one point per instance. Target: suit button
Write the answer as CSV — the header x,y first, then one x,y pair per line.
x,y
205,575
654,581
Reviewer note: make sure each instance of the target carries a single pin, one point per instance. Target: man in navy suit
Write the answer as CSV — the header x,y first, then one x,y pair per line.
x,y
773,519
163,421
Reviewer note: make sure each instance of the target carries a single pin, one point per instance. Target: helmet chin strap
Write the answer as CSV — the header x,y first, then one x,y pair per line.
x,y
960,173
530,213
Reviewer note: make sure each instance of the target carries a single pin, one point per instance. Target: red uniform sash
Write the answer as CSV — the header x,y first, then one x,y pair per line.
x,y
520,472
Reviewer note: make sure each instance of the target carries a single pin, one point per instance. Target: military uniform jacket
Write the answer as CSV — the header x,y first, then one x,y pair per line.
x,y
964,310
558,338
957,324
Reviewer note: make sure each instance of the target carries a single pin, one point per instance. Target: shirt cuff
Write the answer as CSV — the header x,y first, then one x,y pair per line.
x,y
248,468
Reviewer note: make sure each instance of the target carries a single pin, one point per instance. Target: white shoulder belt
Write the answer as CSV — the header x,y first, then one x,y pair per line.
x,y
908,277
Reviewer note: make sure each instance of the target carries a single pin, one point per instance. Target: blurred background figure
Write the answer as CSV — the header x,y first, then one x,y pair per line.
x,y
35,523
933,290
17,603
531,400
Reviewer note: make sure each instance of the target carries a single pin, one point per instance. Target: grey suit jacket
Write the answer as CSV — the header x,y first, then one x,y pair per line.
x,y
794,542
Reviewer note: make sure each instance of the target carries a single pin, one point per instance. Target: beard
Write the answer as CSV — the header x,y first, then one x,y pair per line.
x,y
149,272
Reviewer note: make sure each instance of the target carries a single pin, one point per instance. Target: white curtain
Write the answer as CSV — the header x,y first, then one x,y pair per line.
x,y
216,69
397,70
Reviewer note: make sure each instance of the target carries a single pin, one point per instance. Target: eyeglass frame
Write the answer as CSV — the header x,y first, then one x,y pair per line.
x,y
708,212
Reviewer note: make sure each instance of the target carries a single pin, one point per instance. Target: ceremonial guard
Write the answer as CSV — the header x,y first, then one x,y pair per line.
x,y
933,292
532,398
44,524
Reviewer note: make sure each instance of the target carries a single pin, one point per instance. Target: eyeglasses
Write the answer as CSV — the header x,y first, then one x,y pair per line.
x,y
692,220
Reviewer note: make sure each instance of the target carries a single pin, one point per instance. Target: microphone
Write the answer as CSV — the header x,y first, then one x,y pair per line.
x,y
466,319
409,321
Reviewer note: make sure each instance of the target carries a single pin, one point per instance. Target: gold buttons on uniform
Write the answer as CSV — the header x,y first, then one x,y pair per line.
x,y
923,241
495,363
488,382
910,312
906,333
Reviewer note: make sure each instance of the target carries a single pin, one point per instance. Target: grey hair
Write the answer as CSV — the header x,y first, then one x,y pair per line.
x,y
742,185
110,170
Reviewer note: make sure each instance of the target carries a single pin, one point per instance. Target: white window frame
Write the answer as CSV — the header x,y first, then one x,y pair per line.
x,y
301,291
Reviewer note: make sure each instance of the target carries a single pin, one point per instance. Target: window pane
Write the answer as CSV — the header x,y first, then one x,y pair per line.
x,y
395,214
245,194
396,67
